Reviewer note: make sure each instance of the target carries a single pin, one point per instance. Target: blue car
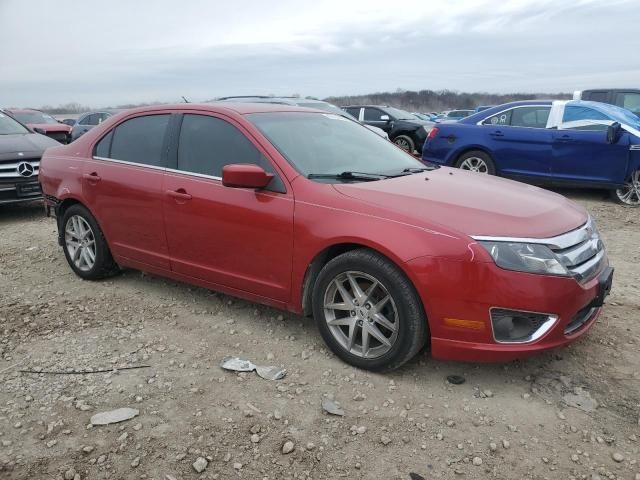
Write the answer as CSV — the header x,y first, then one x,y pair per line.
x,y
562,143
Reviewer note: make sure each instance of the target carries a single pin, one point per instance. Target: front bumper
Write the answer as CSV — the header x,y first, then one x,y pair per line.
x,y
459,295
18,190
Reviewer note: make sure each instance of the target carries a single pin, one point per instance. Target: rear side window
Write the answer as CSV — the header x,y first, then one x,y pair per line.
x,y
502,118
207,144
355,111
596,97
530,117
140,140
104,146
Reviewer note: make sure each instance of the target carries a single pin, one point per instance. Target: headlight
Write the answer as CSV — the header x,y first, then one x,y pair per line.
x,y
525,257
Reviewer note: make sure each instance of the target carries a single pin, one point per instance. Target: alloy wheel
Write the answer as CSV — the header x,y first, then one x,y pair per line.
x,y
630,193
475,164
361,314
403,144
80,242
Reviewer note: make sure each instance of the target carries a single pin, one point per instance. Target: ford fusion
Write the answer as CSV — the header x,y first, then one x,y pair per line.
x,y
311,212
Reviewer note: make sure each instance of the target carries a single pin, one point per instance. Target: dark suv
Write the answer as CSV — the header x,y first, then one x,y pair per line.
x,y
405,129
628,98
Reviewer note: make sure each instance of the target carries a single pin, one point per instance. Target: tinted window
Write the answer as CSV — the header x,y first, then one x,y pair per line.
x,y
373,114
104,145
531,117
355,111
573,113
207,144
597,97
502,118
140,140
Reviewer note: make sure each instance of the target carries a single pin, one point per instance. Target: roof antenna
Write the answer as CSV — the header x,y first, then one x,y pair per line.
x,y
185,100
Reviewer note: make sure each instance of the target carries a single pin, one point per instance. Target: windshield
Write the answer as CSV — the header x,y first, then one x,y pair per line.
x,y
34,117
327,107
8,126
323,143
399,114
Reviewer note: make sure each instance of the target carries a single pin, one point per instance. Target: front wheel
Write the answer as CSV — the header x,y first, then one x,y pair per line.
x,y
630,193
476,161
368,312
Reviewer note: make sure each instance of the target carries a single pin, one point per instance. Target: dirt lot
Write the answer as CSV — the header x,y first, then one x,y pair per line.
x,y
572,413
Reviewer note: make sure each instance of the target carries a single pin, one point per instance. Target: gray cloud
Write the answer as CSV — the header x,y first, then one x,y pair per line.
x,y
124,51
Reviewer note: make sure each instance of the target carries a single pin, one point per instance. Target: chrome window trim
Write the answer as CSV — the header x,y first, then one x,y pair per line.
x,y
551,321
561,242
513,108
634,147
125,162
194,174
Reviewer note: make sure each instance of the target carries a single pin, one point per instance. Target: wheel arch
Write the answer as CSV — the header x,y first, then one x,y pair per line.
x,y
455,156
332,251
62,206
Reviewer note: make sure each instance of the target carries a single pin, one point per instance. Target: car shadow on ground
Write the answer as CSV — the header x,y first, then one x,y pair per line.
x,y
20,212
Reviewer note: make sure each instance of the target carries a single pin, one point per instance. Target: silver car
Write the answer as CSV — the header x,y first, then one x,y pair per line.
x,y
87,121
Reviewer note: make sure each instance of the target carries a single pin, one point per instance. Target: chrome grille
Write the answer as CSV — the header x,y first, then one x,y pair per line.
x,y
581,251
9,168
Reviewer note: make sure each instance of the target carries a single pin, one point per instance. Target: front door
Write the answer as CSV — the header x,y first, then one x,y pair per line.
x,y
377,118
234,237
122,187
581,152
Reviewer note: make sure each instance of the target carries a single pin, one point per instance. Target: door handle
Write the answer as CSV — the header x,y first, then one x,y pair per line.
x,y
179,194
565,138
92,177
497,133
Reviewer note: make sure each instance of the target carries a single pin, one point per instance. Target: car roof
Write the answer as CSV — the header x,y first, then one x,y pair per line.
x,y
361,106
268,99
226,107
22,110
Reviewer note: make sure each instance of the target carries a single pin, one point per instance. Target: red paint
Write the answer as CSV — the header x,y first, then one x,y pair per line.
x,y
258,244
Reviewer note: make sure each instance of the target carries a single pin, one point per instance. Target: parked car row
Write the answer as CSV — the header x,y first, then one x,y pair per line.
x,y
308,211
563,143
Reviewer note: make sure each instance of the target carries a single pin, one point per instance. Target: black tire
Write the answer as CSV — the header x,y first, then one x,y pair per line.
x,y
411,320
104,265
405,142
478,154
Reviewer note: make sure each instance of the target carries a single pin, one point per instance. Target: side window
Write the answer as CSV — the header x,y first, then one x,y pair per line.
x,y
355,111
631,101
573,113
530,117
597,97
372,114
104,146
140,140
207,144
502,118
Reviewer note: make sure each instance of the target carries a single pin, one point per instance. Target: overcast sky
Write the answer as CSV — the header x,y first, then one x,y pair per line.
x,y
123,51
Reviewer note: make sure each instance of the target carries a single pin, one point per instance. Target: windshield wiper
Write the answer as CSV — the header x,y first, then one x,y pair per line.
x,y
426,168
364,176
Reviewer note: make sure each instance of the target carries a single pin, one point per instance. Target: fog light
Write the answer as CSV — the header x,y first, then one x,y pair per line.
x,y
513,326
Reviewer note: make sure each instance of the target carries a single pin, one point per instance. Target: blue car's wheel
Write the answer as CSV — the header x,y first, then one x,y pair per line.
x,y
476,161
630,193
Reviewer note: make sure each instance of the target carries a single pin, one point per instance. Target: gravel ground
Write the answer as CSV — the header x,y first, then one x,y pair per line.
x,y
571,413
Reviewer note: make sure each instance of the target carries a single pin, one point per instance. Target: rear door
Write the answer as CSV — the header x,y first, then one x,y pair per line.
x,y
122,186
235,237
580,149
520,141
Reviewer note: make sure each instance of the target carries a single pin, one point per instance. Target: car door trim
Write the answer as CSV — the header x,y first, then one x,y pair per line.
x,y
126,162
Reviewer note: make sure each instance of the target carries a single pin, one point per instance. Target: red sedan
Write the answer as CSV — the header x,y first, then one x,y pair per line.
x,y
43,123
308,211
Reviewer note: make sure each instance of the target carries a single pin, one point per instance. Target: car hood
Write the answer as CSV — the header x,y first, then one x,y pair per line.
x,y
25,143
470,203
50,127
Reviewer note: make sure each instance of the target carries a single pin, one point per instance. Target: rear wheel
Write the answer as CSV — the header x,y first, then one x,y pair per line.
x,y
368,312
405,143
630,193
84,245
476,161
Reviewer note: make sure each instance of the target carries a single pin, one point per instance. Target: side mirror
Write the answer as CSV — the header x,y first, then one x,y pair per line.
x,y
613,133
385,118
245,176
